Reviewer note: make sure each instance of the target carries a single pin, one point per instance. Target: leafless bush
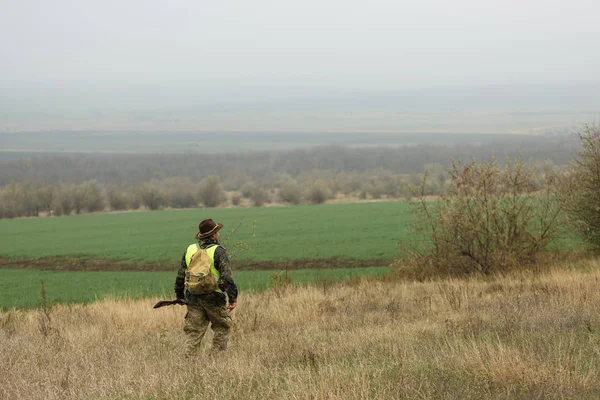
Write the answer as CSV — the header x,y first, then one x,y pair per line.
x,y
62,203
247,189
319,192
211,192
117,199
181,192
151,196
236,199
91,197
290,192
580,187
489,220
259,196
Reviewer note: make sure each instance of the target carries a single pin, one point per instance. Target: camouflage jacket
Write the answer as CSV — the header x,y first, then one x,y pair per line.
x,y
226,283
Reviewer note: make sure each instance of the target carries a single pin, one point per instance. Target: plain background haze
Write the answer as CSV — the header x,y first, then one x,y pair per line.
x,y
147,64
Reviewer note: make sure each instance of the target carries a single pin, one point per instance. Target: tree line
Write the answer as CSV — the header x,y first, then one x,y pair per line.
x,y
62,185
31,198
132,169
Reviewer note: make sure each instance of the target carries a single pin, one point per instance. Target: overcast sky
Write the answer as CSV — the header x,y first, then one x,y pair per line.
x,y
320,43
97,61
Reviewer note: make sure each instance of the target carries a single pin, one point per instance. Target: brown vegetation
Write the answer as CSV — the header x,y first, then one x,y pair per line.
x,y
490,219
61,185
522,336
580,187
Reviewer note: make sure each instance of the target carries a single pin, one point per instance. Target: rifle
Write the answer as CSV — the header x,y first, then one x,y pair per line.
x,y
163,303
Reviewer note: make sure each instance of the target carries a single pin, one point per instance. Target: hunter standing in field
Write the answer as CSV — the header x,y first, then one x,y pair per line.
x,y
202,281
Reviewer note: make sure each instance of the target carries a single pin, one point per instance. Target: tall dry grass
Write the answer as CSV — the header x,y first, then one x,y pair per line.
x,y
513,337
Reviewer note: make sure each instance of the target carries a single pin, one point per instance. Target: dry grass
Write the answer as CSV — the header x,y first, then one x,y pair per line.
x,y
511,337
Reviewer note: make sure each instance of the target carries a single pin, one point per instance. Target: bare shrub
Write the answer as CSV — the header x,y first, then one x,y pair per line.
x,y
117,199
181,192
45,195
259,196
211,192
91,197
13,199
319,192
580,187
372,190
489,221
247,189
63,203
236,199
150,196
290,193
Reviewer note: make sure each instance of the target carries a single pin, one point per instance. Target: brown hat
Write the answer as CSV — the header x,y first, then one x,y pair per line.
x,y
207,228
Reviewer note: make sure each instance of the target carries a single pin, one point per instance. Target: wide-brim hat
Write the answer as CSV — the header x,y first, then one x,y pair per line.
x,y
207,228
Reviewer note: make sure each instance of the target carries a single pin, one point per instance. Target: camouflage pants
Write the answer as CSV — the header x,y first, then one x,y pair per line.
x,y
196,322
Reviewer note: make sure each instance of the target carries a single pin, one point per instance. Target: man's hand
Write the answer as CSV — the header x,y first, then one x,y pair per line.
x,y
231,306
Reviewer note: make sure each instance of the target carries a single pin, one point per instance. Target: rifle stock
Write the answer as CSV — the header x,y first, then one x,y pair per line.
x,y
164,303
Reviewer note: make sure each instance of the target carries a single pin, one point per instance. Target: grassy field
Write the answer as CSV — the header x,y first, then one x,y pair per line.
x,y
311,238
365,234
22,288
366,231
515,337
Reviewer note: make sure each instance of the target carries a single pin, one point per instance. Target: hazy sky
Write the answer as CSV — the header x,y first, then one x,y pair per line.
x,y
319,43
302,65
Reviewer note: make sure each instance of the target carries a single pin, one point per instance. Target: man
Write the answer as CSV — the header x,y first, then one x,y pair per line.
x,y
212,307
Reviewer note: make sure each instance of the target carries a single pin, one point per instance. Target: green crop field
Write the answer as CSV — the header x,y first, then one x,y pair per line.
x,y
23,288
315,238
366,234
367,231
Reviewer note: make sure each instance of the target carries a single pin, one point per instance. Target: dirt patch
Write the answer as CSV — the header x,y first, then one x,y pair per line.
x,y
66,263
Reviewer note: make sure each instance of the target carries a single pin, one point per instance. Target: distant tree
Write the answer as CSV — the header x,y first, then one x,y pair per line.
x,y
290,192
259,196
247,189
319,192
236,180
13,200
350,182
375,191
4,212
151,196
580,186
62,203
77,194
237,169
45,195
182,192
236,199
118,199
91,195
211,192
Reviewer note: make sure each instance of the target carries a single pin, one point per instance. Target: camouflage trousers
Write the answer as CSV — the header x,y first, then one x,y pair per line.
x,y
198,318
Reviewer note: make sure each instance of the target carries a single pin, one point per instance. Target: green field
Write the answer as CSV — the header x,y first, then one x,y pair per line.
x,y
361,234
23,289
366,231
316,237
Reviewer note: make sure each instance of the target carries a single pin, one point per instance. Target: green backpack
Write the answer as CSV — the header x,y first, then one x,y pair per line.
x,y
198,277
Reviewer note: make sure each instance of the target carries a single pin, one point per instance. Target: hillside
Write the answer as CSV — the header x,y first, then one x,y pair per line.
x,y
521,336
